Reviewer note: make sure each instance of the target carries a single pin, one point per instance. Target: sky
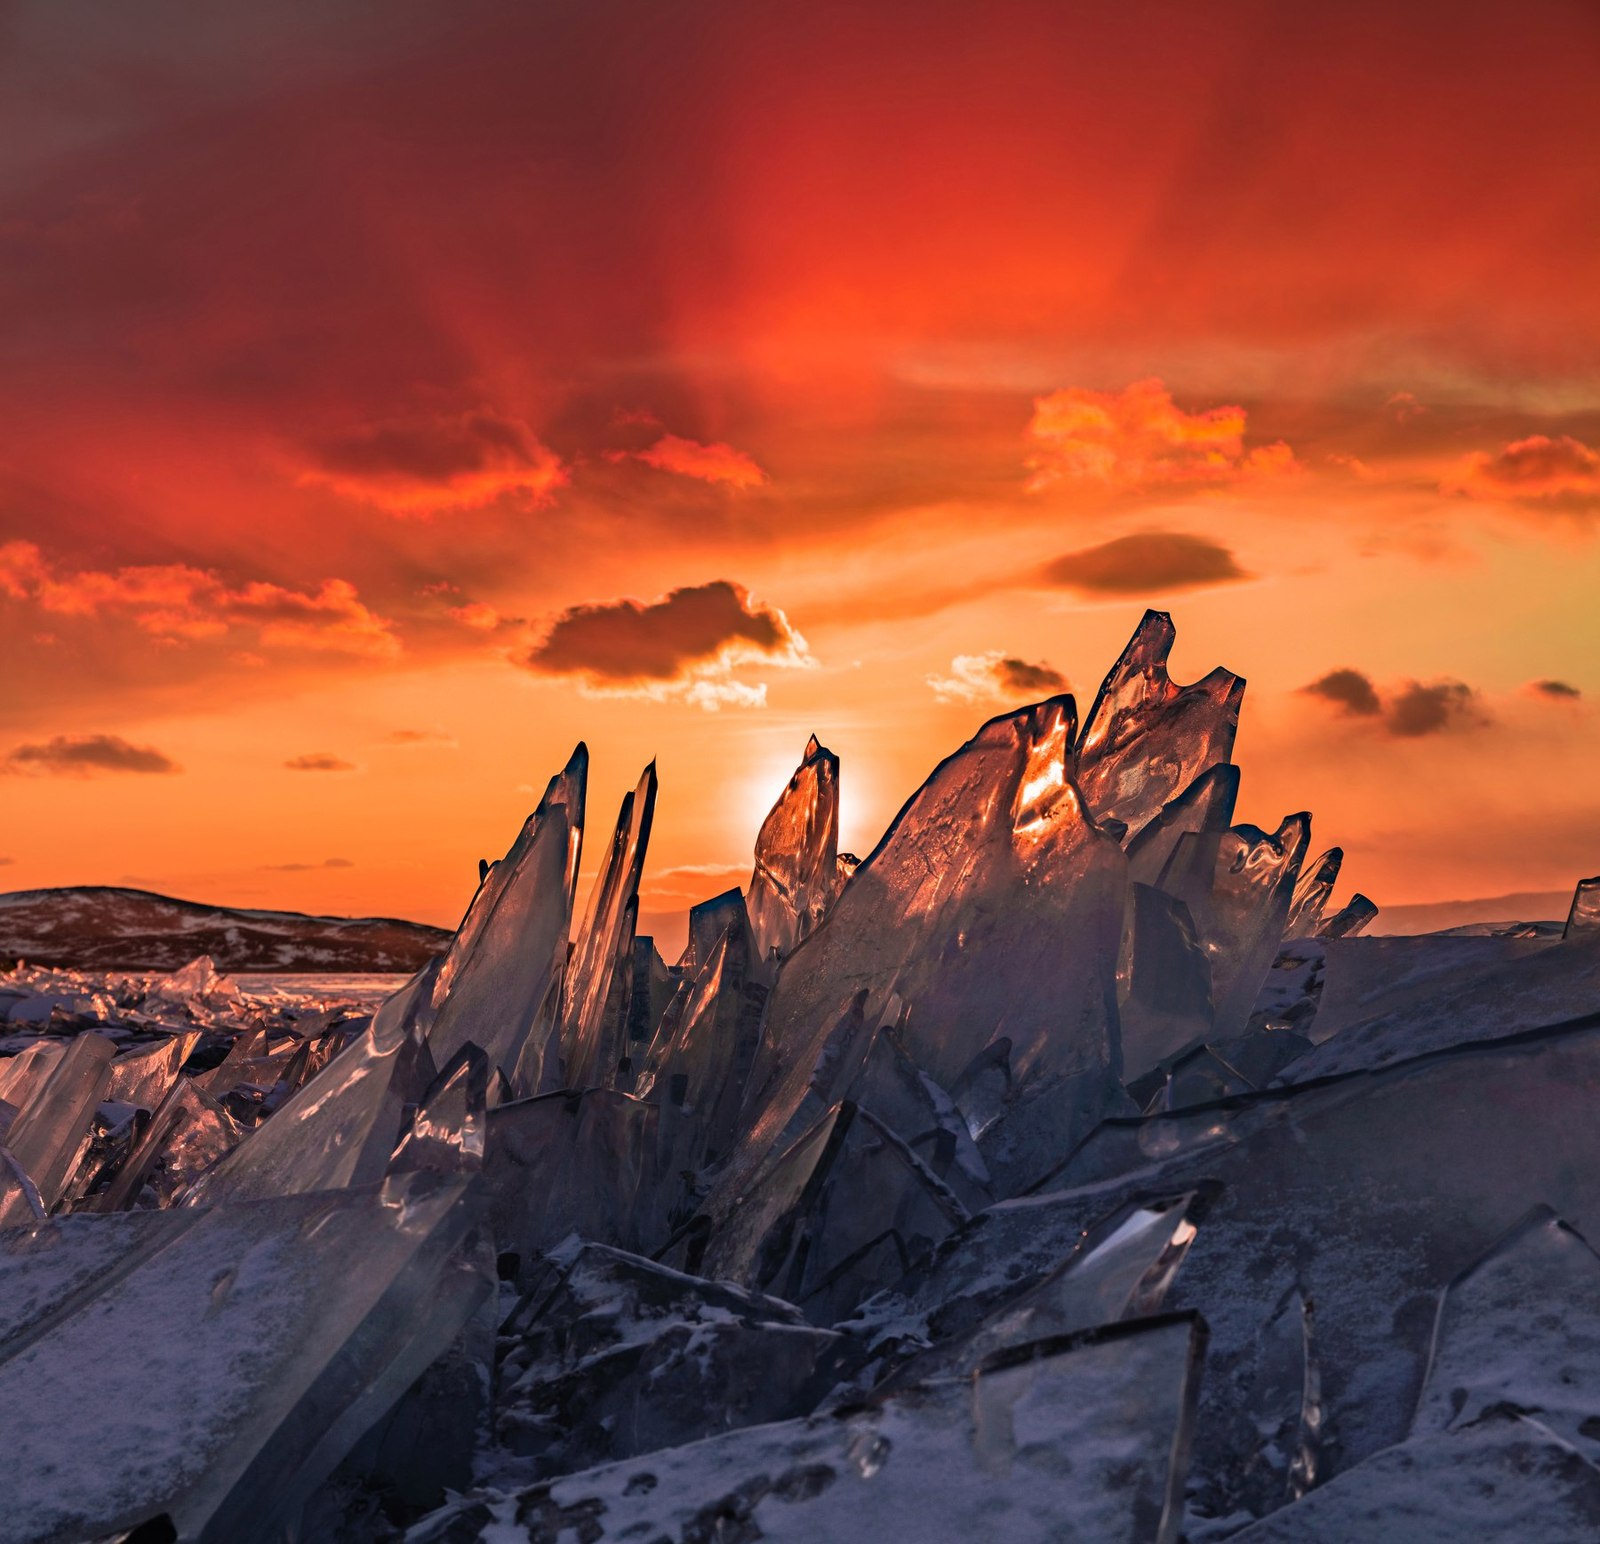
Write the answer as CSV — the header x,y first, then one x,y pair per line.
x,y
393,394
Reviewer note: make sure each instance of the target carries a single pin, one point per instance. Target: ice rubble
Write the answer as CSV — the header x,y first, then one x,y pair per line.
x,y
1067,1167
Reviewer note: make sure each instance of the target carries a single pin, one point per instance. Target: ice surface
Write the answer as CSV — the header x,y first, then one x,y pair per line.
x,y
797,856
1146,738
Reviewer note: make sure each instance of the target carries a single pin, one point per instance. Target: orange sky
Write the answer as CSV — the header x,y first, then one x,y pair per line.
x,y
362,362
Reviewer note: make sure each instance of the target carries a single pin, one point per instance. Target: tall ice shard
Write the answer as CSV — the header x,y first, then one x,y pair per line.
x,y
797,856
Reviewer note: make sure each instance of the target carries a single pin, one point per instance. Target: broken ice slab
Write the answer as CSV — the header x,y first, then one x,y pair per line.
x,y
499,984
23,1075
797,856
1077,1439
142,1076
1238,885
584,1162
1584,915
1311,892
622,1356
447,1132
1146,737
1352,918
599,978
340,1129
284,1354
1206,804
188,1134
199,985
1367,1193
47,1137
992,906
1163,982
846,1211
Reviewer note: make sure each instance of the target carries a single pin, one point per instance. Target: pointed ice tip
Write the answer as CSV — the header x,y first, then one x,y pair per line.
x,y
579,756
813,745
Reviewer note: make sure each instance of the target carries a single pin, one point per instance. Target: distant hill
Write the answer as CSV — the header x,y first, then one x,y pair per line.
x,y
102,927
1433,917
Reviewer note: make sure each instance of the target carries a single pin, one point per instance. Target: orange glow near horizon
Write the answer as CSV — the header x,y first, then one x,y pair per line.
x,y
393,396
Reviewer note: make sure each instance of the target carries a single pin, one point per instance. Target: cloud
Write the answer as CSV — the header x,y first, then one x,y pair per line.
x,y
1152,562
683,645
715,463
319,761
427,466
7,862
976,677
176,602
478,615
1139,438
307,868
689,883
1348,689
1558,472
421,737
1407,712
1560,691
87,756
1403,407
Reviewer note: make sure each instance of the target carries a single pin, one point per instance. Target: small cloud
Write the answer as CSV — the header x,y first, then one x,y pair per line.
x,y
1347,689
307,868
1139,438
1403,407
714,463
428,466
1151,563
88,756
319,761
1559,691
7,862
976,677
479,616
683,645
1407,712
689,883
1539,471
420,737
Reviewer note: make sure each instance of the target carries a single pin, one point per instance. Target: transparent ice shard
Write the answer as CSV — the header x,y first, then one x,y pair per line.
x,y
708,921
619,1356
1083,1438
1584,914
23,1075
573,1162
600,975
447,1132
285,1356
992,907
797,856
1206,804
189,1132
1238,885
1351,918
1311,892
340,1129
143,1076
1163,982
47,1138
500,981
1146,738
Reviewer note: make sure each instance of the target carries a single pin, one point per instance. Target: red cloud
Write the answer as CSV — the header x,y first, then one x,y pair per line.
x,y
1140,438
1538,469
175,601
715,463
426,466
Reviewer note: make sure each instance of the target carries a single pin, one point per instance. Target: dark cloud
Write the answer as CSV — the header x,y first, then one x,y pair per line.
x,y
319,761
1409,711
1559,689
87,756
628,641
1418,710
7,862
1151,562
1558,471
307,868
1351,690
977,677
1018,675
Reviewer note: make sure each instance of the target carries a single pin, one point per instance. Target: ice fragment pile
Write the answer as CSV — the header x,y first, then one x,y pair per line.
x,y
1068,1167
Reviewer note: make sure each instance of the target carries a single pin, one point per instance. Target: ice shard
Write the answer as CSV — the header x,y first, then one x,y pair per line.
x,y
1311,892
447,1132
797,856
189,1133
1238,885
600,974
1584,914
500,982
47,1138
141,1077
1146,737
1206,804
1351,918
992,907
1083,1439
1163,983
